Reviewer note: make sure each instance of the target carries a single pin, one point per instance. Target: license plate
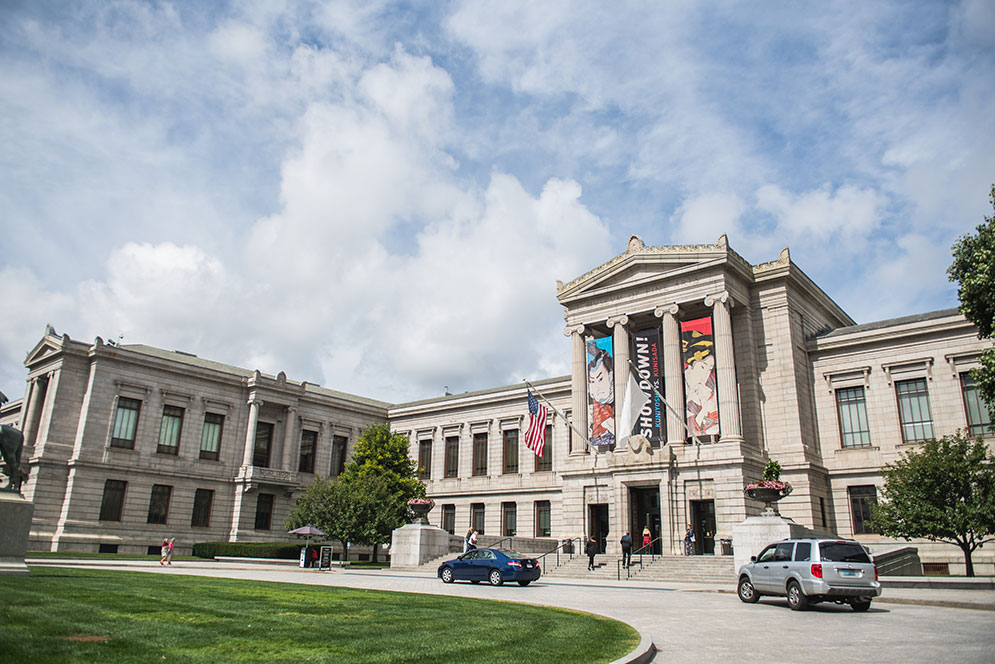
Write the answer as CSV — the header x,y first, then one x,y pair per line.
x,y
529,565
849,572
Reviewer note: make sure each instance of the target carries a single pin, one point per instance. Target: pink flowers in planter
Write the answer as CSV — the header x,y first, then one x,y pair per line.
x,y
421,501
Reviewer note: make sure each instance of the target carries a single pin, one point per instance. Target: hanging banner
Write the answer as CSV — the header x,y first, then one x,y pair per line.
x,y
601,390
700,393
646,349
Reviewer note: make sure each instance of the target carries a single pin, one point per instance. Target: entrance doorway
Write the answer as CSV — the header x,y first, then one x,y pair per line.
x,y
703,522
644,512
597,517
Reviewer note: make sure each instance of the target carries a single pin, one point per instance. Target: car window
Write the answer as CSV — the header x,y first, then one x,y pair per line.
x,y
766,555
803,551
489,555
469,555
783,551
843,552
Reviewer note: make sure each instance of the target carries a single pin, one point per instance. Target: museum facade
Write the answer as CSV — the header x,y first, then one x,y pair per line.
x,y
742,363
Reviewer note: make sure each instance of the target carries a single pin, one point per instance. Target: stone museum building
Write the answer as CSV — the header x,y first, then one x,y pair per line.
x,y
743,363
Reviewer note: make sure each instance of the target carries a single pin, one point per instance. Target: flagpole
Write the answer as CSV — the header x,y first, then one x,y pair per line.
x,y
680,418
556,411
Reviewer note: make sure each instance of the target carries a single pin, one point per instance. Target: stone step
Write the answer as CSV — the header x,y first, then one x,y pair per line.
x,y
709,569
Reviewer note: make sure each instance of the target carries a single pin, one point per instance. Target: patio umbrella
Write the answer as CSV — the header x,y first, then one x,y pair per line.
x,y
307,531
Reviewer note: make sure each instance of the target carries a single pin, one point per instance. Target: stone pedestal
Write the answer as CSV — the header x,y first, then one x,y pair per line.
x,y
15,523
417,543
751,536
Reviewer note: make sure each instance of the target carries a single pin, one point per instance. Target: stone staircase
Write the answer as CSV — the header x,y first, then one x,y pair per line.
x,y
688,569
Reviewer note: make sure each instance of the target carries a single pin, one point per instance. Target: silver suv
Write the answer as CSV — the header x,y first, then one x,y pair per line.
x,y
809,571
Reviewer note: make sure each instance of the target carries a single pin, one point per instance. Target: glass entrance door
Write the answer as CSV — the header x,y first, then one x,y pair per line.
x,y
644,513
597,517
703,522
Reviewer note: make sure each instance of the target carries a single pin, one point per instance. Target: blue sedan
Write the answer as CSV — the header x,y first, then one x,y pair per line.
x,y
492,565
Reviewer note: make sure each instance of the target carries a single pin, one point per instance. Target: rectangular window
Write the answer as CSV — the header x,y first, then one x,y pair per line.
x,y
477,517
210,438
822,511
509,519
978,419
339,446
480,454
452,456
125,423
913,410
449,519
169,430
544,464
424,459
309,443
112,504
543,513
264,511
861,499
159,503
264,441
511,451
851,408
202,500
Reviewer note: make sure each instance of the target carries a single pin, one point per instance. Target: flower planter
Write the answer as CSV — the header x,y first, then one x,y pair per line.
x,y
769,496
421,511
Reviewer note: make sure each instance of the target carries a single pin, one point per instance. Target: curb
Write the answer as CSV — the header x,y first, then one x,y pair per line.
x,y
946,604
643,653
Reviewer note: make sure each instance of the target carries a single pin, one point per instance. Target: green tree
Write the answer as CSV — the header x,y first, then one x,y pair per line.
x,y
369,499
943,492
381,468
974,271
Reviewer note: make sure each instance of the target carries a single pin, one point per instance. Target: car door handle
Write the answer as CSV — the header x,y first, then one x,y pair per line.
x,y
784,566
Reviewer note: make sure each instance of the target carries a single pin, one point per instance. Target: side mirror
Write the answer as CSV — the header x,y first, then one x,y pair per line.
x,y
753,559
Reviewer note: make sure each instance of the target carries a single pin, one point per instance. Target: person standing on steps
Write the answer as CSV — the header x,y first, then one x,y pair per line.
x,y
466,540
473,540
689,541
626,543
647,538
164,551
591,550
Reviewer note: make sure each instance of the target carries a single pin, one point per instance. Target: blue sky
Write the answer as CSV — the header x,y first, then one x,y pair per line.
x,y
380,197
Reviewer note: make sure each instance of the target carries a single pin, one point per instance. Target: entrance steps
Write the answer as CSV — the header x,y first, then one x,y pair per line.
x,y
689,569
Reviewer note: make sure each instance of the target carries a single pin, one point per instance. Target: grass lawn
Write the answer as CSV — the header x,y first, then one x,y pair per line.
x,y
62,615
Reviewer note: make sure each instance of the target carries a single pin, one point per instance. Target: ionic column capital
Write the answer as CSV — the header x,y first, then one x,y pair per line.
x,y
672,309
719,298
622,320
573,329
253,401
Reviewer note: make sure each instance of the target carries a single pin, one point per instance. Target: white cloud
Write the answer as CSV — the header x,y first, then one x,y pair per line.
x,y
702,219
849,211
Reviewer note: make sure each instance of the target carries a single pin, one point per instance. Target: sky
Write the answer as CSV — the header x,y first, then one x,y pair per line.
x,y
379,197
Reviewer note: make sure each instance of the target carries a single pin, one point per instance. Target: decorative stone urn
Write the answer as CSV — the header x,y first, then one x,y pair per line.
x,y
768,492
420,507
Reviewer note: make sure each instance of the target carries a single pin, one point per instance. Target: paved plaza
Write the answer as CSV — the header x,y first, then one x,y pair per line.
x,y
694,622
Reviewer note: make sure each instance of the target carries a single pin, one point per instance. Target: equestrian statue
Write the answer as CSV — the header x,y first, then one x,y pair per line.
x,y
11,444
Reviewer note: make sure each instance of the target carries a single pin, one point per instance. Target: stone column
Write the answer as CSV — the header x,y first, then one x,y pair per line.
x,y
250,433
725,368
620,341
673,373
32,413
578,388
290,444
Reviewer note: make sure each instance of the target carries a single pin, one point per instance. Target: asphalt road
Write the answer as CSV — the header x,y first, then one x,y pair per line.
x,y
688,622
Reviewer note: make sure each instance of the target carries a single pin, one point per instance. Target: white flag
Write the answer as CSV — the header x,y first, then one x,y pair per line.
x,y
632,406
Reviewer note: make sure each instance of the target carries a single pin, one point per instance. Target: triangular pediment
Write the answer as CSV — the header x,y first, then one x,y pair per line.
x,y
49,344
640,265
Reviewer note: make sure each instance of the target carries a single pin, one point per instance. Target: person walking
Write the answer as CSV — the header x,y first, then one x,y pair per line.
x,y
591,550
689,541
466,540
473,539
164,551
647,538
626,543
169,551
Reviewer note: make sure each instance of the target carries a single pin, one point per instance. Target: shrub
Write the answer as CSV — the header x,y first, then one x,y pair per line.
x,y
281,550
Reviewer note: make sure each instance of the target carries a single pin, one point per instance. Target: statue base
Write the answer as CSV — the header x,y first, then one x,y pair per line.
x,y
15,515
417,543
751,536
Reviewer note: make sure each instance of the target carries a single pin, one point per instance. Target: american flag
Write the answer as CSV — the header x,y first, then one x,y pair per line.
x,y
535,437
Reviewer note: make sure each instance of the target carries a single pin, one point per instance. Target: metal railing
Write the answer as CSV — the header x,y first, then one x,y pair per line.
x,y
573,545
636,558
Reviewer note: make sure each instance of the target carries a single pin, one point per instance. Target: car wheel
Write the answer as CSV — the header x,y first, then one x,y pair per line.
x,y
495,577
747,592
860,604
796,598
447,575
525,583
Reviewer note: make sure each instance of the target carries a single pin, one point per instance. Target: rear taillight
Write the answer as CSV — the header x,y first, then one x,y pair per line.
x,y
514,563
817,570
875,572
